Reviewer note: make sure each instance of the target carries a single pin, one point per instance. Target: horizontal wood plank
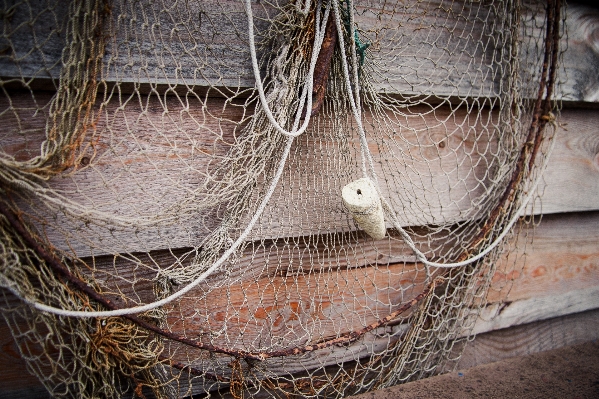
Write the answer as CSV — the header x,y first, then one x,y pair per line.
x,y
179,47
502,315
525,339
314,306
563,257
579,79
570,182
144,161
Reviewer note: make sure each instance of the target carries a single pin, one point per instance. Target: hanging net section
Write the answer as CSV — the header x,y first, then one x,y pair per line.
x,y
248,198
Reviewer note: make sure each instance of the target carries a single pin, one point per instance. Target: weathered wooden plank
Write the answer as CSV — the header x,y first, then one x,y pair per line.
x,y
286,257
411,50
145,160
571,176
579,77
531,338
554,275
428,185
32,42
403,52
502,315
137,166
434,170
377,341
297,307
561,242
562,257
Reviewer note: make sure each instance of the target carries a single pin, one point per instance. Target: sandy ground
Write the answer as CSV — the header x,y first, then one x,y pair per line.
x,y
571,372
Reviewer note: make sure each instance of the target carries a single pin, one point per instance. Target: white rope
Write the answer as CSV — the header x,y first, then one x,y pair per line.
x,y
190,286
365,152
319,37
282,162
306,9
422,258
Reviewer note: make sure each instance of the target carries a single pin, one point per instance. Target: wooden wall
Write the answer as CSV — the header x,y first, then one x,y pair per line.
x,y
553,280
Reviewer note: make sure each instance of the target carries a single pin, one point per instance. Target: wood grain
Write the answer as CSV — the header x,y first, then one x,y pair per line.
x,y
142,161
145,160
32,43
314,306
571,329
579,72
135,166
562,257
507,314
565,246
177,49
569,178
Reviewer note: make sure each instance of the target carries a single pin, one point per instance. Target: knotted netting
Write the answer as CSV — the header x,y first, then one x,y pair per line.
x,y
174,219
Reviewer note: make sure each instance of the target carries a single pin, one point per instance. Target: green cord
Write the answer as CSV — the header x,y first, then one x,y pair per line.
x,y
360,47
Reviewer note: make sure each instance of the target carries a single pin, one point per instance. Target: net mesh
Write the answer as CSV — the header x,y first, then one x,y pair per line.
x,y
139,163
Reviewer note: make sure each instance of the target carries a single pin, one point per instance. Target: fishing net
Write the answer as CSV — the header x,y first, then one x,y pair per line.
x,y
262,198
